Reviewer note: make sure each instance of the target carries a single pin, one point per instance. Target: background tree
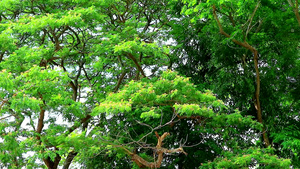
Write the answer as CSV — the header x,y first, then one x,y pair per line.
x,y
235,30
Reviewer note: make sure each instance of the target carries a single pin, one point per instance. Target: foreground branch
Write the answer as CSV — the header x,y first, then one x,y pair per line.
x,y
142,163
3,102
130,56
69,159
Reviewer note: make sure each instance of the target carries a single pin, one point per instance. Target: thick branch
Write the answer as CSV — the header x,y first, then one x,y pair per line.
x,y
130,56
1,56
40,122
69,159
120,81
142,163
255,54
49,163
295,9
87,118
257,102
52,164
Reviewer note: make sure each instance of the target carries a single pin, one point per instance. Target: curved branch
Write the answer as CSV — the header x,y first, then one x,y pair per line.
x,y
76,35
255,55
295,9
120,81
69,159
3,102
130,56
142,163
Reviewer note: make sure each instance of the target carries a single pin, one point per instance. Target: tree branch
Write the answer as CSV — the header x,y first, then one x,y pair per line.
x,y
295,9
69,159
130,56
74,127
49,163
1,56
251,18
255,55
76,35
40,125
72,154
120,81
142,163
3,102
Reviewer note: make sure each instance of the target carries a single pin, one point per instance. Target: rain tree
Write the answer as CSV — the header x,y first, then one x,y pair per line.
x,y
82,84
58,58
165,106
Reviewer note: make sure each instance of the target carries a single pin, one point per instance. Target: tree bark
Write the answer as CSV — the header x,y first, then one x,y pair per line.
x,y
130,56
142,163
295,8
69,159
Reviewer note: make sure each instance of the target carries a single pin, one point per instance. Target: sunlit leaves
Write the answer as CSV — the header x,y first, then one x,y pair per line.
x,y
24,58
9,4
193,109
6,80
7,42
112,107
148,97
252,157
58,57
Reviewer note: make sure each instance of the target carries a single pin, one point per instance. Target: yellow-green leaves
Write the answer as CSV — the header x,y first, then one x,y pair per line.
x,y
146,99
6,80
22,102
9,4
7,41
263,158
112,108
153,112
193,109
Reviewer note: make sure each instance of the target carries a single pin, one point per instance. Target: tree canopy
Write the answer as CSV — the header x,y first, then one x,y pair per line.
x,y
149,84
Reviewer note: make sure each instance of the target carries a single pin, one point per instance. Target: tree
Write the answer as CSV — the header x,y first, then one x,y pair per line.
x,y
82,83
235,32
58,58
165,105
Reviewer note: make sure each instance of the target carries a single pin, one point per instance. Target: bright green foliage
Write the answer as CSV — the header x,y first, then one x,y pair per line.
x,y
252,157
158,101
148,98
170,89
63,63
57,59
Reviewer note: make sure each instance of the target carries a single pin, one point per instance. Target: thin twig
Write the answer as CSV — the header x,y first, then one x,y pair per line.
x,y
251,18
6,117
